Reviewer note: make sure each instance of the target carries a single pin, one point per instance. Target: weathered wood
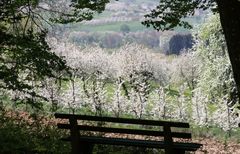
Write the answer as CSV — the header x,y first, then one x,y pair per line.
x,y
74,135
123,120
178,151
168,139
84,144
177,146
85,147
126,131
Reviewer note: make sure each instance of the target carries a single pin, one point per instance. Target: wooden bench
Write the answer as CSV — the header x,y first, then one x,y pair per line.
x,y
83,144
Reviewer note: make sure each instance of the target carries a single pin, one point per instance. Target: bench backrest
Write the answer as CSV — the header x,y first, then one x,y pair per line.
x,y
166,132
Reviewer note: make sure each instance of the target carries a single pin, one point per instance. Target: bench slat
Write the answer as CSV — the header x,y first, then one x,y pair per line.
x,y
126,131
138,143
88,141
123,120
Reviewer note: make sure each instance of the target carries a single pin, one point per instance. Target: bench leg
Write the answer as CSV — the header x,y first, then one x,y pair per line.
x,y
178,151
174,151
85,148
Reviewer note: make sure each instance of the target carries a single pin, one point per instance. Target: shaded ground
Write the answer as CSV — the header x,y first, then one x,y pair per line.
x,y
213,146
25,127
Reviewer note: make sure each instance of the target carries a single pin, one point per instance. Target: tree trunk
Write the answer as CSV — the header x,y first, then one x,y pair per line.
x,y
229,11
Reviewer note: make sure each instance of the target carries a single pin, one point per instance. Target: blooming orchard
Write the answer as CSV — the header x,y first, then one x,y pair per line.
x,y
134,81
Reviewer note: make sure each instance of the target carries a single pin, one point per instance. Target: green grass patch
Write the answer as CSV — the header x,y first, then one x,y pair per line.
x,y
114,26
215,132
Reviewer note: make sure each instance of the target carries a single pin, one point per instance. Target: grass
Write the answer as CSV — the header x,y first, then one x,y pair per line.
x,y
134,26
215,132
115,26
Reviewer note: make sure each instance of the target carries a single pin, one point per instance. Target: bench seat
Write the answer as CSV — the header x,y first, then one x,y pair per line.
x,y
136,143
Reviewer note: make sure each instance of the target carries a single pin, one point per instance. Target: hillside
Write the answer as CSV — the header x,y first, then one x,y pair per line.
x,y
119,24
126,12
112,67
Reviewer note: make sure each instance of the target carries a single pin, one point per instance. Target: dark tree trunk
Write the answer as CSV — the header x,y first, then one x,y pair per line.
x,y
230,19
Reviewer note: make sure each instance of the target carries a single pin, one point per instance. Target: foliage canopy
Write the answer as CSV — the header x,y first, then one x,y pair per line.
x,y
25,56
169,14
